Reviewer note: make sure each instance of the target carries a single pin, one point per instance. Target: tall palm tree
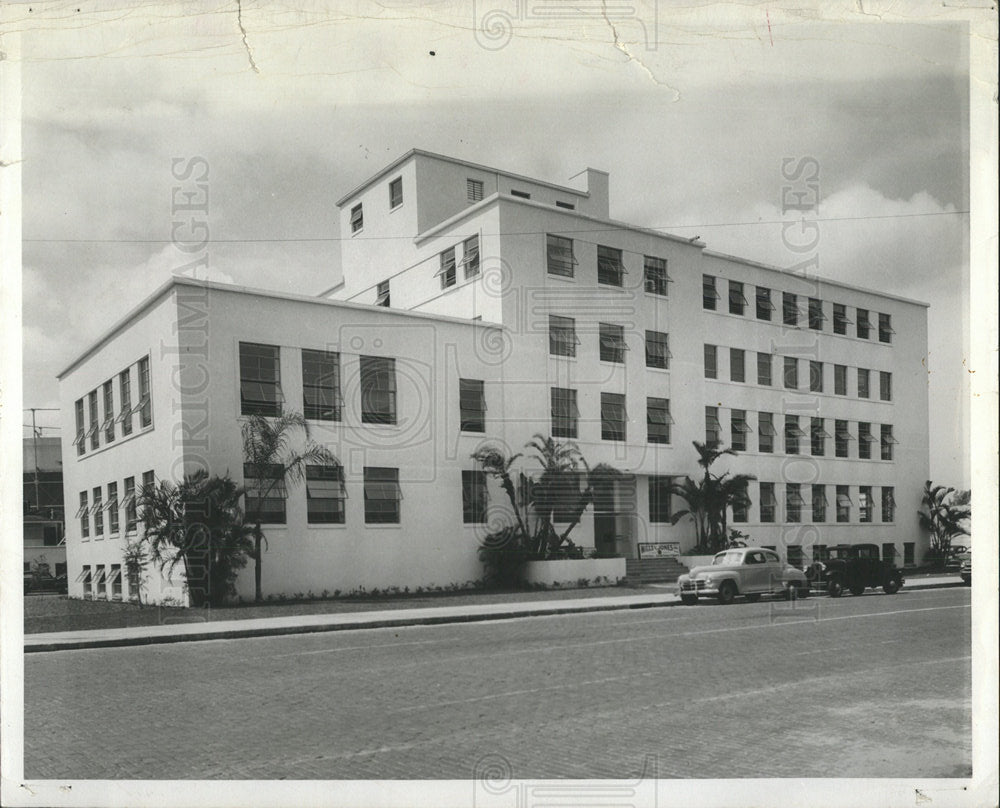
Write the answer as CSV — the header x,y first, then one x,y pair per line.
x,y
943,516
554,490
270,459
497,463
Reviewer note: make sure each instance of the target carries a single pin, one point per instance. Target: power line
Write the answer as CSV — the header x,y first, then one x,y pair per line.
x,y
321,239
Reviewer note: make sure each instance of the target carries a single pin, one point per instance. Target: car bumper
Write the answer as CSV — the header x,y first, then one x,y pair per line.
x,y
698,588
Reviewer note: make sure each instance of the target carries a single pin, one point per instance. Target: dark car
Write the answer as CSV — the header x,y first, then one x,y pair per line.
x,y
853,567
44,581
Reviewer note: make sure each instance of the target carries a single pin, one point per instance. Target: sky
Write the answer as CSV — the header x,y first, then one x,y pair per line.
x,y
691,110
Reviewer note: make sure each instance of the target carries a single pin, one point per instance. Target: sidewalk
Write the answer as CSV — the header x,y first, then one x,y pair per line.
x,y
657,596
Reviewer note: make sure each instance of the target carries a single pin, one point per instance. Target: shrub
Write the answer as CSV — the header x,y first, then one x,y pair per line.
x,y
504,558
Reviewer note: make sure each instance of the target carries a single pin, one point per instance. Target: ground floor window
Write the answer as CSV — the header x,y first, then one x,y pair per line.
x,y
325,495
908,548
100,583
115,580
382,495
473,497
85,577
889,552
795,555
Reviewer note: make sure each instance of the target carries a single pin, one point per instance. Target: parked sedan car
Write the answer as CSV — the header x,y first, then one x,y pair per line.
x,y
748,571
854,567
966,569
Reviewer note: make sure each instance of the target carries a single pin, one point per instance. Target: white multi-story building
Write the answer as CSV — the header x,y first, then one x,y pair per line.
x,y
482,306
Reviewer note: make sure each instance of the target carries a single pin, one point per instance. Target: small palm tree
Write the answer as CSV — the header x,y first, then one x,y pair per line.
x,y
557,486
496,463
269,458
944,514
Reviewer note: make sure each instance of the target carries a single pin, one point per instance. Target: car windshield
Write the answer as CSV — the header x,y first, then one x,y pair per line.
x,y
729,557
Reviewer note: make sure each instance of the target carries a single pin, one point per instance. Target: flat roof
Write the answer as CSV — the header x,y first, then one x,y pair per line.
x,y
468,164
180,280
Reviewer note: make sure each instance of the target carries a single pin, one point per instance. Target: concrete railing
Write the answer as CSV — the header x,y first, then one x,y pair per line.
x,y
570,571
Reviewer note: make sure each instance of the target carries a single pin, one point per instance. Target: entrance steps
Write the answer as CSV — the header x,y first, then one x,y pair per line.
x,y
653,570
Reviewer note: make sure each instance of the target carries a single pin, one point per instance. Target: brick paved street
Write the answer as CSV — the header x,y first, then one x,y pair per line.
x,y
872,686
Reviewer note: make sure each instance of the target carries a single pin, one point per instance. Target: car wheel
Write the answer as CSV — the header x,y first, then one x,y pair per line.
x,y
891,587
689,600
802,592
857,589
834,588
753,598
727,592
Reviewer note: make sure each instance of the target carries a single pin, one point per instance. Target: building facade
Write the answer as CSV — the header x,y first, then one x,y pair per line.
x,y
44,539
478,307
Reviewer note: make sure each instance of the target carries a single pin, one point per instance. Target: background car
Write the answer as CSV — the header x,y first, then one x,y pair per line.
x,y
749,571
965,570
853,567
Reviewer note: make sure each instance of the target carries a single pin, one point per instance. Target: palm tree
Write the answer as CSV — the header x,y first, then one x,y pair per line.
x,y
600,475
496,463
269,459
198,524
945,511
557,486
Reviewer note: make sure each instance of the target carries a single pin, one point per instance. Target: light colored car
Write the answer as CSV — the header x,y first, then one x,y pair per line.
x,y
965,570
749,571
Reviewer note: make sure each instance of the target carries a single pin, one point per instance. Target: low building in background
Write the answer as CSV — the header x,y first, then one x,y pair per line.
x,y
43,511
479,306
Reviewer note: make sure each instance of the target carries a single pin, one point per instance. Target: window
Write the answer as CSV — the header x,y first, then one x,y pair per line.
x,y
841,438
565,205
115,581
764,369
659,498
740,428
260,380
128,505
326,496
654,275
840,380
559,255
764,304
471,405
657,350
741,502
713,427
865,439
84,515
111,506
87,585
144,406
613,416
148,481
819,504
737,365
108,425
864,383
887,441
520,194
321,385
840,321
708,294
447,271
843,503
610,270
564,412
100,583
888,504
863,324
815,377
711,362
865,503
818,436
789,309
382,294
382,495
470,257
765,432
473,190
796,557
378,390
737,302
357,218
265,493
396,193
908,553
125,396
612,339
816,316
97,509
474,499
792,434
884,386
768,503
562,335
92,432
793,505
81,430
885,331
791,373
658,420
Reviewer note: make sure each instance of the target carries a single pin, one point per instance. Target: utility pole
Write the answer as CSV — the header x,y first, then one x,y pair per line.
x,y
34,445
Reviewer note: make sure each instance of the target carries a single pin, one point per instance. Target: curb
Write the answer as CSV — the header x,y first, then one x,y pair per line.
x,y
355,625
